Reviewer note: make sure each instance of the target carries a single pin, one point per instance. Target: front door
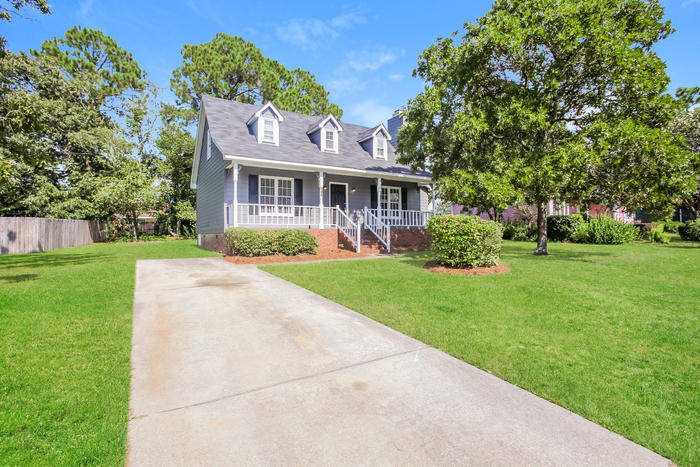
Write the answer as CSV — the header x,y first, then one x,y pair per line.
x,y
339,196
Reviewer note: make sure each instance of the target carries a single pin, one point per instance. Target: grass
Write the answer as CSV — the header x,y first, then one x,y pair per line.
x,y
609,332
65,348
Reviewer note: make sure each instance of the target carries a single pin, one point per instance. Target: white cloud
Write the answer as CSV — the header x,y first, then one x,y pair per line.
x,y
85,7
688,2
343,83
369,113
396,77
369,60
306,32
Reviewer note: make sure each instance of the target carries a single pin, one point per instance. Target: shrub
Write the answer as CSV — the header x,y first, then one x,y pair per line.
x,y
252,242
645,228
690,230
294,242
672,227
562,228
519,231
657,235
604,230
465,241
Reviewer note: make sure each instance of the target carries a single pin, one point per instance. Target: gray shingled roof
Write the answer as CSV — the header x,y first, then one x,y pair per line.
x,y
227,123
366,134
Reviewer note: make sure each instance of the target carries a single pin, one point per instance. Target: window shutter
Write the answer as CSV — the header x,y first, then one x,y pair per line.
x,y
373,196
298,192
253,189
404,198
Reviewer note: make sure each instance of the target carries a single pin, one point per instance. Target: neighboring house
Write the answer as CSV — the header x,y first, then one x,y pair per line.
x,y
259,167
512,214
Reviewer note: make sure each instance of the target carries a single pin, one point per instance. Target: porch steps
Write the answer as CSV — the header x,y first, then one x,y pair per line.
x,y
369,243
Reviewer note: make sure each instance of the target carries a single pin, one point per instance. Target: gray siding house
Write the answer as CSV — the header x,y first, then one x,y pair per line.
x,y
259,167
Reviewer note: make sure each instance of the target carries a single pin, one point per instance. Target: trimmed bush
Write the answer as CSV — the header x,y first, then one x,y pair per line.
x,y
672,227
657,235
292,242
604,230
465,241
562,228
690,230
519,231
253,242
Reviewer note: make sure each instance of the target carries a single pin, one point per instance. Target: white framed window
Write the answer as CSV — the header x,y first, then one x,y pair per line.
x,y
330,140
381,148
277,195
391,201
269,130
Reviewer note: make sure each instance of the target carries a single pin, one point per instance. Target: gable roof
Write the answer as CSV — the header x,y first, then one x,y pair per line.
x,y
364,136
262,109
317,125
230,133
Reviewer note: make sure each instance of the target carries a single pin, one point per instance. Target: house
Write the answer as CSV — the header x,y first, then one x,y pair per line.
x,y
511,213
259,167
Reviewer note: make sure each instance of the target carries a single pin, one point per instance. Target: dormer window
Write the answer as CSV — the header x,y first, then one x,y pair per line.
x,y
324,133
330,141
381,148
269,132
265,124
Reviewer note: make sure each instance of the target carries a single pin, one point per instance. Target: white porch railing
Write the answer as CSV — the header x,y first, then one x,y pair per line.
x,y
398,218
381,230
349,228
274,214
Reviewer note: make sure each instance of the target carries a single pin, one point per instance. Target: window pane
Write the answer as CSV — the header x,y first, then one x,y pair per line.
x,y
269,132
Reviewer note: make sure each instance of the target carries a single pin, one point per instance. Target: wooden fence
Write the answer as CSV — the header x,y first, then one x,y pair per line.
x,y
35,234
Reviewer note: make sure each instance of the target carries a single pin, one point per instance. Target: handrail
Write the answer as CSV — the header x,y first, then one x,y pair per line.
x,y
381,230
403,218
349,228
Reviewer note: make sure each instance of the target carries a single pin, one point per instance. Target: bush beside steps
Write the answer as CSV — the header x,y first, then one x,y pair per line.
x,y
254,242
465,241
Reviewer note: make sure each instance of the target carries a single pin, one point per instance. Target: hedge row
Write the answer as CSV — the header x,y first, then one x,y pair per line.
x,y
252,242
690,231
465,241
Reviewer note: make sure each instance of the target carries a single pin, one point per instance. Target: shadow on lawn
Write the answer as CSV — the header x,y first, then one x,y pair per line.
x,y
18,278
42,260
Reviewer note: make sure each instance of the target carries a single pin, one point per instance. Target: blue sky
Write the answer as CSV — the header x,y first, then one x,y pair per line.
x,y
362,52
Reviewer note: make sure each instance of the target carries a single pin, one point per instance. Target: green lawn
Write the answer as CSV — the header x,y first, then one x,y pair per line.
x,y
65,347
609,332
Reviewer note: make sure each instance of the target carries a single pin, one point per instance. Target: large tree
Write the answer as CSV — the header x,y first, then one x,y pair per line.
x,y
687,124
546,88
483,192
97,60
232,68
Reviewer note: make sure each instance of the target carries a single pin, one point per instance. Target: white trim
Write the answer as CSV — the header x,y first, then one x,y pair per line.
x,y
270,105
208,145
323,123
347,195
276,191
202,120
379,128
388,208
375,149
334,132
303,167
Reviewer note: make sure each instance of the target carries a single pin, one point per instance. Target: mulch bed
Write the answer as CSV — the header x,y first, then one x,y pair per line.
x,y
321,255
433,266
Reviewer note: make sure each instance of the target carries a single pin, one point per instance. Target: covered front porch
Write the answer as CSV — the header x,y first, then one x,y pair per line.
x,y
269,198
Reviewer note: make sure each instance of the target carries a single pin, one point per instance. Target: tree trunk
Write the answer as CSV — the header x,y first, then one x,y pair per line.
x,y
135,223
178,227
541,230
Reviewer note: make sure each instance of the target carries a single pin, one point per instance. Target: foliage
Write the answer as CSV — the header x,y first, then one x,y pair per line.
x,y
144,238
657,235
232,68
252,242
65,341
672,227
604,230
614,329
690,231
96,59
130,192
687,124
17,5
689,96
485,192
519,231
562,228
465,241
555,92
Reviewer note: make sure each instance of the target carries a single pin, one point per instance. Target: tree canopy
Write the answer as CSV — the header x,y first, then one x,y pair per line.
x,y
559,92
232,68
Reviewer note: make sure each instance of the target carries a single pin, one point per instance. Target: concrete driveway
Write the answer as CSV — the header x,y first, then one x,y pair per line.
x,y
233,366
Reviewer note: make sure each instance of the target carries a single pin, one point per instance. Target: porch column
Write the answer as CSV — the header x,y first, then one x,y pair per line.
x,y
321,177
379,198
236,169
432,191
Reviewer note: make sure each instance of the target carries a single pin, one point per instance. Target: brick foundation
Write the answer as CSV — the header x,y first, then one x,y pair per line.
x,y
330,239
